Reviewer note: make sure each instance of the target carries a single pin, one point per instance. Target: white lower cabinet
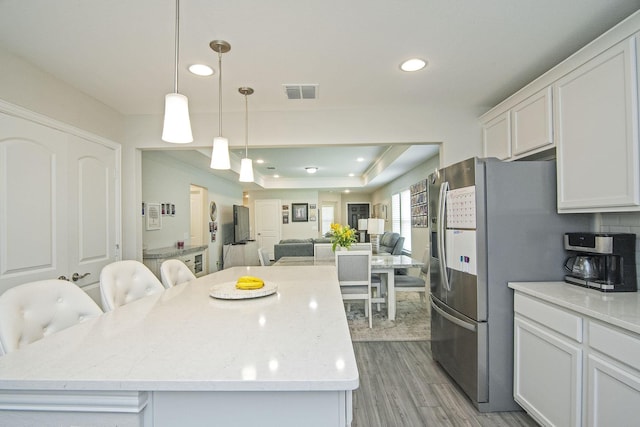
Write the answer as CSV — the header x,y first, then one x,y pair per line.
x,y
613,376
547,374
613,391
563,377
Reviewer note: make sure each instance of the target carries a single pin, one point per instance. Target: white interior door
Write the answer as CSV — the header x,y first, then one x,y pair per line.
x,y
268,217
92,182
33,195
59,204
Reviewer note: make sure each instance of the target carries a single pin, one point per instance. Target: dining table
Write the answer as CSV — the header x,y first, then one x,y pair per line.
x,y
385,265
201,353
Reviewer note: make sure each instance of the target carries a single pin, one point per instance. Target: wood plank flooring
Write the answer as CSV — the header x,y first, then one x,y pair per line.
x,y
400,385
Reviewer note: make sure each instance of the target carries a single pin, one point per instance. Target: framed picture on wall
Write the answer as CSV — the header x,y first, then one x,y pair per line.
x,y
154,216
300,212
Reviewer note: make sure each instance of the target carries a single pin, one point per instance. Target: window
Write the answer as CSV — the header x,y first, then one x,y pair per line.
x,y
327,218
401,216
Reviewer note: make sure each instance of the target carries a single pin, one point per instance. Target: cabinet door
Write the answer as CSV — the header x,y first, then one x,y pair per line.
x,y
531,123
547,380
596,123
496,137
613,393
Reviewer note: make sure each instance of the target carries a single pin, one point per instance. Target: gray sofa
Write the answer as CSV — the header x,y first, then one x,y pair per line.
x,y
391,243
296,247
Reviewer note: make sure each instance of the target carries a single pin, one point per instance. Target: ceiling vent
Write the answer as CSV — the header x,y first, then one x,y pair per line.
x,y
301,91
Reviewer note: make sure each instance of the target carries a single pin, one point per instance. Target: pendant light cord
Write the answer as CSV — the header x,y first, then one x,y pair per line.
x,y
246,127
220,93
175,80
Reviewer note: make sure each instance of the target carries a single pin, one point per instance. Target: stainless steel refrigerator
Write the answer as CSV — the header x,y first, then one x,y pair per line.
x,y
491,223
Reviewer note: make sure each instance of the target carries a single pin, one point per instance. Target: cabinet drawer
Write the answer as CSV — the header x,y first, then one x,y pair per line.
x,y
554,318
617,345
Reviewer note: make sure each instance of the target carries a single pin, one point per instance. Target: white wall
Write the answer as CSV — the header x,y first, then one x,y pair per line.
x,y
166,180
292,230
25,85
34,89
419,236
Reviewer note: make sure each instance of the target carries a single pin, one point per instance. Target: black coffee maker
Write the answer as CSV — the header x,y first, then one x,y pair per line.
x,y
603,261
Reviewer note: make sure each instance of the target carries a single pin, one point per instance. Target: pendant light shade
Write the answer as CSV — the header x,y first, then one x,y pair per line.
x,y
246,170
220,153
246,164
177,126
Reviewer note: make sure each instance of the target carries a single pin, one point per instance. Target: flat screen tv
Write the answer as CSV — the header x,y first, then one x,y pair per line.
x,y
240,224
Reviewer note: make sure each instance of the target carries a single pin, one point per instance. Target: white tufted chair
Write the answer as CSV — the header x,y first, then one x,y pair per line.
x,y
173,272
34,310
122,282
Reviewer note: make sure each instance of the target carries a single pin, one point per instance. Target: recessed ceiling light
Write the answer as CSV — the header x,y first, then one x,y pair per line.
x,y
311,169
260,161
413,64
201,70
347,191
360,159
276,176
352,174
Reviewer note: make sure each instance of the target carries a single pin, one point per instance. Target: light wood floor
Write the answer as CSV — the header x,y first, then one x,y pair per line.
x,y
400,385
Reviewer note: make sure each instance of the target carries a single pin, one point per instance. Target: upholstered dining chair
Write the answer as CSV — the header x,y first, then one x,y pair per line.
x,y
34,310
263,256
354,276
323,252
122,282
174,272
409,283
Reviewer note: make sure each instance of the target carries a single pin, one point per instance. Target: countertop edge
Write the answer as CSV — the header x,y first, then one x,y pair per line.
x,y
621,309
171,251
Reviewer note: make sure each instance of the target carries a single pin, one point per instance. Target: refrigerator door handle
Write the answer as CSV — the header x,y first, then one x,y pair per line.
x,y
442,199
452,319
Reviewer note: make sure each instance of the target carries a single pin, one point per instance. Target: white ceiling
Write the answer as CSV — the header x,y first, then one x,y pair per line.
x,y
121,52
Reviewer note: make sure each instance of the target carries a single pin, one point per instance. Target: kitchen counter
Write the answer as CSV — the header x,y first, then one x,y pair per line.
x,y
621,309
176,356
172,251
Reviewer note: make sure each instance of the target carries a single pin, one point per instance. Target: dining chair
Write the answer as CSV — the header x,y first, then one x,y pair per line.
x,y
354,276
263,256
31,311
174,272
122,282
323,252
409,283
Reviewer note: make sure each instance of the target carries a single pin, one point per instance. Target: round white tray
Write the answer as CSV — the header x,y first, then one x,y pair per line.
x,y
228,290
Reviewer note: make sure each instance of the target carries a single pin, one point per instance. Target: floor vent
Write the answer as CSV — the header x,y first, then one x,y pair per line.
x,y
301,91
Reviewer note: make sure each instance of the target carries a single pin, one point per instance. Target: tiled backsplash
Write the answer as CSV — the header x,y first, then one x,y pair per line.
x,y
625,222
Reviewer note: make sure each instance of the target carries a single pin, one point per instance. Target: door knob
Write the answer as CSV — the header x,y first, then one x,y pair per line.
x,y
63,278
77,276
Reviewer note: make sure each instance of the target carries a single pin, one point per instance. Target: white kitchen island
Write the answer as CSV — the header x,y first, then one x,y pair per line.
x,y
184,358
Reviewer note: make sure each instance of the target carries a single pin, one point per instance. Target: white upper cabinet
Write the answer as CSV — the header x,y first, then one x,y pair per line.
x,y
531,120
496,137
596,129
585,111
522,130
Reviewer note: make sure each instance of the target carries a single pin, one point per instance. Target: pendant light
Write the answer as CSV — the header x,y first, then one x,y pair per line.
x,y
177,126
220,154
246,165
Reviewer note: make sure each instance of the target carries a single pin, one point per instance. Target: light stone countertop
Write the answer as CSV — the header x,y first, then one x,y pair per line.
x,y
621,309
183,340
171,251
